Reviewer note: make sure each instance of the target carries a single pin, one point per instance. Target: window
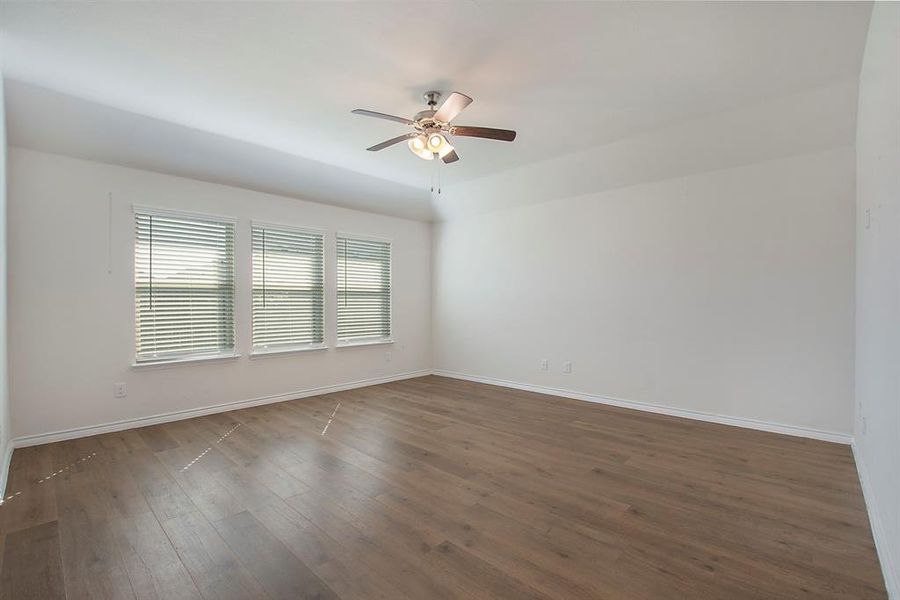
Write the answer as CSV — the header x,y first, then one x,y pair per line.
x,y
287,289
184,286
363,290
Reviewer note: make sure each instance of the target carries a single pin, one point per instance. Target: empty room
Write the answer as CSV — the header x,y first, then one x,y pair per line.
x,y
435,300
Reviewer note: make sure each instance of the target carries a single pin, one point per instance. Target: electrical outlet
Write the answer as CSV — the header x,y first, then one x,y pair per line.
x,y
545,364
387,356
863,426
567,367
119,390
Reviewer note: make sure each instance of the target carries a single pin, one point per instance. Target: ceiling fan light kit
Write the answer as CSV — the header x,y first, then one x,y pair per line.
x,y
430,140
435,142
419,147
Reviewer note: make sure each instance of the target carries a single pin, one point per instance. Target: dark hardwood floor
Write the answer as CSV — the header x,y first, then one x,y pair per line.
x,y
434,488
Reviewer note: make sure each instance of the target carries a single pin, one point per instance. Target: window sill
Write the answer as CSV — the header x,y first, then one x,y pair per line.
x,y
283,351
363,343
174,362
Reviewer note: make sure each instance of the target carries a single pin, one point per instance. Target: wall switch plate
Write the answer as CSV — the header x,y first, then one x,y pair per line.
x,y
119,390
567,367
545,364
387,356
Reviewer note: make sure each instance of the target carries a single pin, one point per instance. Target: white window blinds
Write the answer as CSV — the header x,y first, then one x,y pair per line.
x,y
287,288
363,290
184,286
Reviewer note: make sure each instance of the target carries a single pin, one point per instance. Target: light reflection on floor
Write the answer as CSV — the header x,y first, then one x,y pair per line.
x,y
50,476
334,412
218,441
93,454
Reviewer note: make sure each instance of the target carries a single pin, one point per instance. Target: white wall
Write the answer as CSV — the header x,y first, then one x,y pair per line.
x,y
5,447
877,441
728,292
72,321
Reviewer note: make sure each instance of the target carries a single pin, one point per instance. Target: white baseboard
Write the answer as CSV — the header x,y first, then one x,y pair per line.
x,y
875,522
79,432
4,476
828,436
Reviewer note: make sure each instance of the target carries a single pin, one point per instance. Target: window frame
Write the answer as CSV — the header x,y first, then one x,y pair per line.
x,y
372,341
201,357
289,349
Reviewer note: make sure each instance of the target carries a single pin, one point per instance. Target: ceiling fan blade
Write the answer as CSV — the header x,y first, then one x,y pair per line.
x,y
378,115
504,135
452,106
450,157
392,141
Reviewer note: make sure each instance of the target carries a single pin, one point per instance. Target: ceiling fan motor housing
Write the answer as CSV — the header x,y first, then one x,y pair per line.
x,y
424,118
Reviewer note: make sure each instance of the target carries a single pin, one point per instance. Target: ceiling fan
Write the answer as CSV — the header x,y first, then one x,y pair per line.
x,y
432,126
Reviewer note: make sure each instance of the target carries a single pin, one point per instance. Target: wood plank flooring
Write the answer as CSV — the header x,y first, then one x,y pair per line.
x,y
431,489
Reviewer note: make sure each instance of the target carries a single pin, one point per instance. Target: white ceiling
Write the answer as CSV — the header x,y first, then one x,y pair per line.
x,y
280,79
